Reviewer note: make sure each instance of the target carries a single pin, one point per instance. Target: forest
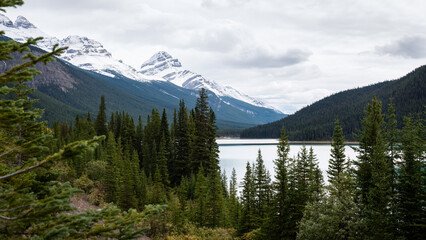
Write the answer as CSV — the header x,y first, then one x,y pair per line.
x,y
162,179
315,122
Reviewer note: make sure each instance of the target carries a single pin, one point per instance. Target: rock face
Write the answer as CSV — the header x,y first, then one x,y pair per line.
x,y
90,55
82,51
163,65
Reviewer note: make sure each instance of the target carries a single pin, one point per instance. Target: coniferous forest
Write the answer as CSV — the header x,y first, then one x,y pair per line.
x,y
162,179
315,121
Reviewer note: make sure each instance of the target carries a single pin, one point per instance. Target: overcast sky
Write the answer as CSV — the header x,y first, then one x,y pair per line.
x,y
286,53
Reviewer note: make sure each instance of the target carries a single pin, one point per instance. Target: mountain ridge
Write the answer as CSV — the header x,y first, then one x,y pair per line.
x,y
91,55
65,90
316,121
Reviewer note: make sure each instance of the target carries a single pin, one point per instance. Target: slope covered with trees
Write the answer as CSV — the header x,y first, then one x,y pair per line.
x,y
315,122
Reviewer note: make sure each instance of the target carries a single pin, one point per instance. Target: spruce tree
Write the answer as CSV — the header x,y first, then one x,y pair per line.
x,y
233,199
33,203
200,198
112,176
101,119
335,216
127,198
277,224
373,176
411,181
391,143
162,163
316,180
337,164
247,220
215,201
180,165
204,148
139,138
262,183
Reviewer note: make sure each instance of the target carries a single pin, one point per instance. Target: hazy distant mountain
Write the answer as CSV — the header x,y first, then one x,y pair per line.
x,y
316,121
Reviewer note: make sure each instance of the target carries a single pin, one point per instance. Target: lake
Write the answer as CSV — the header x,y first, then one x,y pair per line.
x,y
234,153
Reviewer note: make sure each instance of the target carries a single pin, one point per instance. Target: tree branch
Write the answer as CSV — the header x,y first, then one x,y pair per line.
x,y
49,158
32,62
13,209
14,218
5,153
8,218
69,150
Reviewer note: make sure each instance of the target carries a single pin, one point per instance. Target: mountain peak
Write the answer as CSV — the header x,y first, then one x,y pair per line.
x,y
5,21
162,55
22,22
159,62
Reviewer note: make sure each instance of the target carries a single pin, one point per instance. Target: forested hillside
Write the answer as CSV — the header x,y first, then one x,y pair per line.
x,y
315,122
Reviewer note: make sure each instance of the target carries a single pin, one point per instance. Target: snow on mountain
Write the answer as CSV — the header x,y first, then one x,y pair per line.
x,y
82,51
163,65
91,55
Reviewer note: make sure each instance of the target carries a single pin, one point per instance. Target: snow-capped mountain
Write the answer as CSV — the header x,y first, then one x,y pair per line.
x,y
91,55
163,65
82,51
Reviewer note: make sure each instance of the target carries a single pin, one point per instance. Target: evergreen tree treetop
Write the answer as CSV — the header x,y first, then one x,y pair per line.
x,y
337,165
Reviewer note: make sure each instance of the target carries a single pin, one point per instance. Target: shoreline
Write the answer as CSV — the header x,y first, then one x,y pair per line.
x,y
258,141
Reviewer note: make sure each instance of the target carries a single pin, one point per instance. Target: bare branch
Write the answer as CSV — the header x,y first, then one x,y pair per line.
x,y
13,209
5,153
8,218
49,158
15,218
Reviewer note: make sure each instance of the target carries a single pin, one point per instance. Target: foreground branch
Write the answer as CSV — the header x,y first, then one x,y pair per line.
x,y
5,153
49,158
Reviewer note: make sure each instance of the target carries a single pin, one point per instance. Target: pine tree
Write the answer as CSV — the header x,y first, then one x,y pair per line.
x,y
277,224
138,184
204,148
215,201
233,199
391,143
335,216
337,164
391,156
373,176
33,203
262,183
247,220
139,138
200,198
165,133
162,163
112,176
181,162
158,192
127,198
213,147
101,119
316,181
411,181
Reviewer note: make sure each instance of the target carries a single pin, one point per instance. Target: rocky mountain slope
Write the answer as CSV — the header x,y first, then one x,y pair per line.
x,y
90,55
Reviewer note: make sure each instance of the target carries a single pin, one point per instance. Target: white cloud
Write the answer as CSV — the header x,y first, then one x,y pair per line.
x,y
259,57
287,53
